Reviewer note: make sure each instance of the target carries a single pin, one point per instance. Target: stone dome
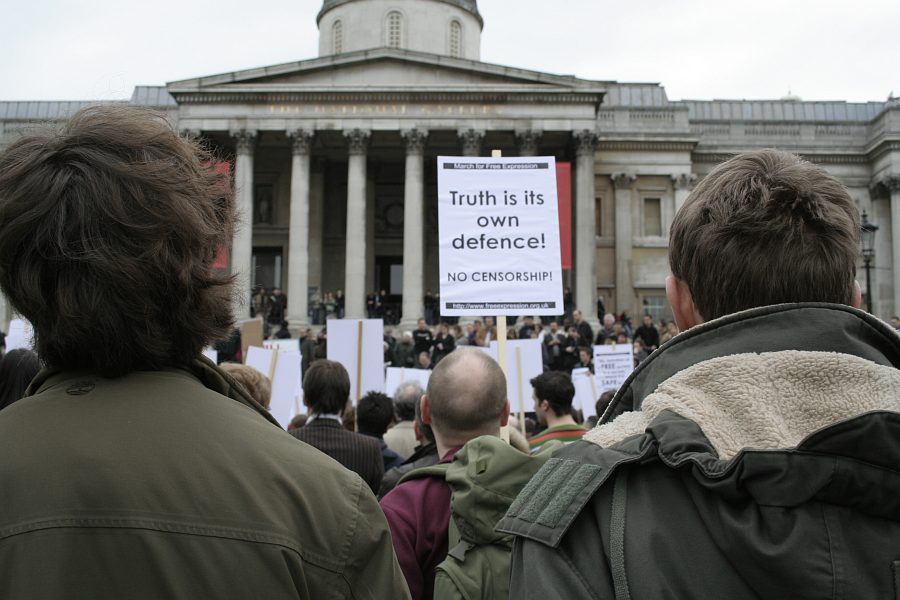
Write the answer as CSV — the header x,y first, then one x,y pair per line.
x,y
446,27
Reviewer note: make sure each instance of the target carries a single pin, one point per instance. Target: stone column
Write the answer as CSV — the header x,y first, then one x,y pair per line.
x,y
682,184
529,141
4,314
624,242
413,229
470,139
893,185
242,247
355,271
298,234
316,223
585,225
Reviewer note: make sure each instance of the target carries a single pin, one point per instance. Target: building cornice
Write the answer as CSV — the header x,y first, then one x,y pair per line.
x,y
646,145
821,159
258,95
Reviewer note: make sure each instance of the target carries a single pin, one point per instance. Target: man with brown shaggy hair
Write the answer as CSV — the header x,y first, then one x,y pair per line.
x,y
140,469
757,454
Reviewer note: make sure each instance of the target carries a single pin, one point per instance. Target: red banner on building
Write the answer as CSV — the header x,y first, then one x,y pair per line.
x,y
564,194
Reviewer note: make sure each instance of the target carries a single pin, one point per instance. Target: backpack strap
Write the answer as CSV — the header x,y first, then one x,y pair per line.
x,y
617,536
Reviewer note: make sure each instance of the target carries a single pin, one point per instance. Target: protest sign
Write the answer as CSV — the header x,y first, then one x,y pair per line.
x,y
498,236
251,334
19,335
394,376
586,393
358,344
523,363
287,345
613,363
286,386
212,354
261,359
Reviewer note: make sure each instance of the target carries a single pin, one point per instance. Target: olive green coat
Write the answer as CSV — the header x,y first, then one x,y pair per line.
x,y
173,484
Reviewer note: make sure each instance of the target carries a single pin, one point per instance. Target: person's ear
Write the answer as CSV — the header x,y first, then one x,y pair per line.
x,y
682,302
544,405
426,410
504,416
856,297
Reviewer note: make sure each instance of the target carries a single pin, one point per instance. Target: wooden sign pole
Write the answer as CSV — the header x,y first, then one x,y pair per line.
x,y
519,387
501,335
359,357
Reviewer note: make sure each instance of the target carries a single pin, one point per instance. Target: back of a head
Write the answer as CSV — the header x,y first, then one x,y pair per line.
x,y
765,228
556,388
405,399
326,387
374,413
466,392
109,229
254,383
17,368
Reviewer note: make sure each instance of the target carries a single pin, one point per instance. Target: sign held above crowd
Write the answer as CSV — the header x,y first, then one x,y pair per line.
x,y
499,244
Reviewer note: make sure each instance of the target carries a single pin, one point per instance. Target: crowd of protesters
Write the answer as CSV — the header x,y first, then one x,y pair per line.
x,y
753,456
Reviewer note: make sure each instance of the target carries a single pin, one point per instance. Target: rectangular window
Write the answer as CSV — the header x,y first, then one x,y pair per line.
x,y
656,307
652,217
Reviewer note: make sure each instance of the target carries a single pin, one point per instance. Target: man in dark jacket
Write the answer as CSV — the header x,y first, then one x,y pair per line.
x,y
756,455
140,469
326,390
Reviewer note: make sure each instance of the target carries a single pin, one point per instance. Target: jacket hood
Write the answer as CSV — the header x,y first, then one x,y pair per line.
x,y
485,477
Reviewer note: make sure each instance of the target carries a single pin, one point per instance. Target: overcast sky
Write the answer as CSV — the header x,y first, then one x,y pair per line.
x,y
699,49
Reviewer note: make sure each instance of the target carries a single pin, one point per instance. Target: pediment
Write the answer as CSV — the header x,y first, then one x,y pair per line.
x,y
386,69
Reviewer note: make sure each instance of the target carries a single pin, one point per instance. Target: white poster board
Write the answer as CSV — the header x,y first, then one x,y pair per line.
x,y
523,363
498,236
212,354
586,392
288,345
261,359
358,344
19,335
286,387
490,350
613,363
394,376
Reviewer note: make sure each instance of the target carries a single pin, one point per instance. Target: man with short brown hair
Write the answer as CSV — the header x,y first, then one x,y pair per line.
x,y
756,454
135,466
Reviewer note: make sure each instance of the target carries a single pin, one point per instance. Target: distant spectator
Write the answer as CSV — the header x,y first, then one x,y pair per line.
x,y
326,390
423,361
404,352
443,345
425,454
422,338
553,394
17,368
254,383
648,333
374,414
297,422
401,438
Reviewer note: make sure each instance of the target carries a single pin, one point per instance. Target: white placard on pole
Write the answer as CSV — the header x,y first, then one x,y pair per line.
x,y
498,236
585,392
358,344
212,354
262,359
394,376
286,389
19,335
613,363
287,345
524,362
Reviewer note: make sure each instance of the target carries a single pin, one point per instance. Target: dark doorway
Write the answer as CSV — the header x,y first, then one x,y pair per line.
x,y
389,277
267,268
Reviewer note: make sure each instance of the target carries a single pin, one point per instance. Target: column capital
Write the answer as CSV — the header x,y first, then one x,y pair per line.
x,y
528,141
471,141
415,140
684,181
623,181
244,140
586,142
358,140
301,140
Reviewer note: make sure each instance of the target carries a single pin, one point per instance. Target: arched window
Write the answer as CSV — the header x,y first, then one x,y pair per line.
x,y
455,39
394,29
337,37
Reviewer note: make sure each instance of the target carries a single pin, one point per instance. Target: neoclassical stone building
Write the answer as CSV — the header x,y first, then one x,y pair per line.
x,y
334,157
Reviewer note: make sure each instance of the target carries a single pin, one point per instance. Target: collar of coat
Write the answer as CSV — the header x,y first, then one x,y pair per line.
x,y
764,379
203,369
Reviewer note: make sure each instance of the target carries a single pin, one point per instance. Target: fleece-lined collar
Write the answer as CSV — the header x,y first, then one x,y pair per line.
x,y
764,379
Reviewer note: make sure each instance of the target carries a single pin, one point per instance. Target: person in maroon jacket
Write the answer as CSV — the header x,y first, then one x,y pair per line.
x,y
466,398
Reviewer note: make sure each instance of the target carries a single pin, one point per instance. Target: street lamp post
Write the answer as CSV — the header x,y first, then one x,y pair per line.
x,y
867,241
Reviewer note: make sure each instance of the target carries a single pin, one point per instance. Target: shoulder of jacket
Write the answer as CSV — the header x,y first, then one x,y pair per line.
x,y
552,500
